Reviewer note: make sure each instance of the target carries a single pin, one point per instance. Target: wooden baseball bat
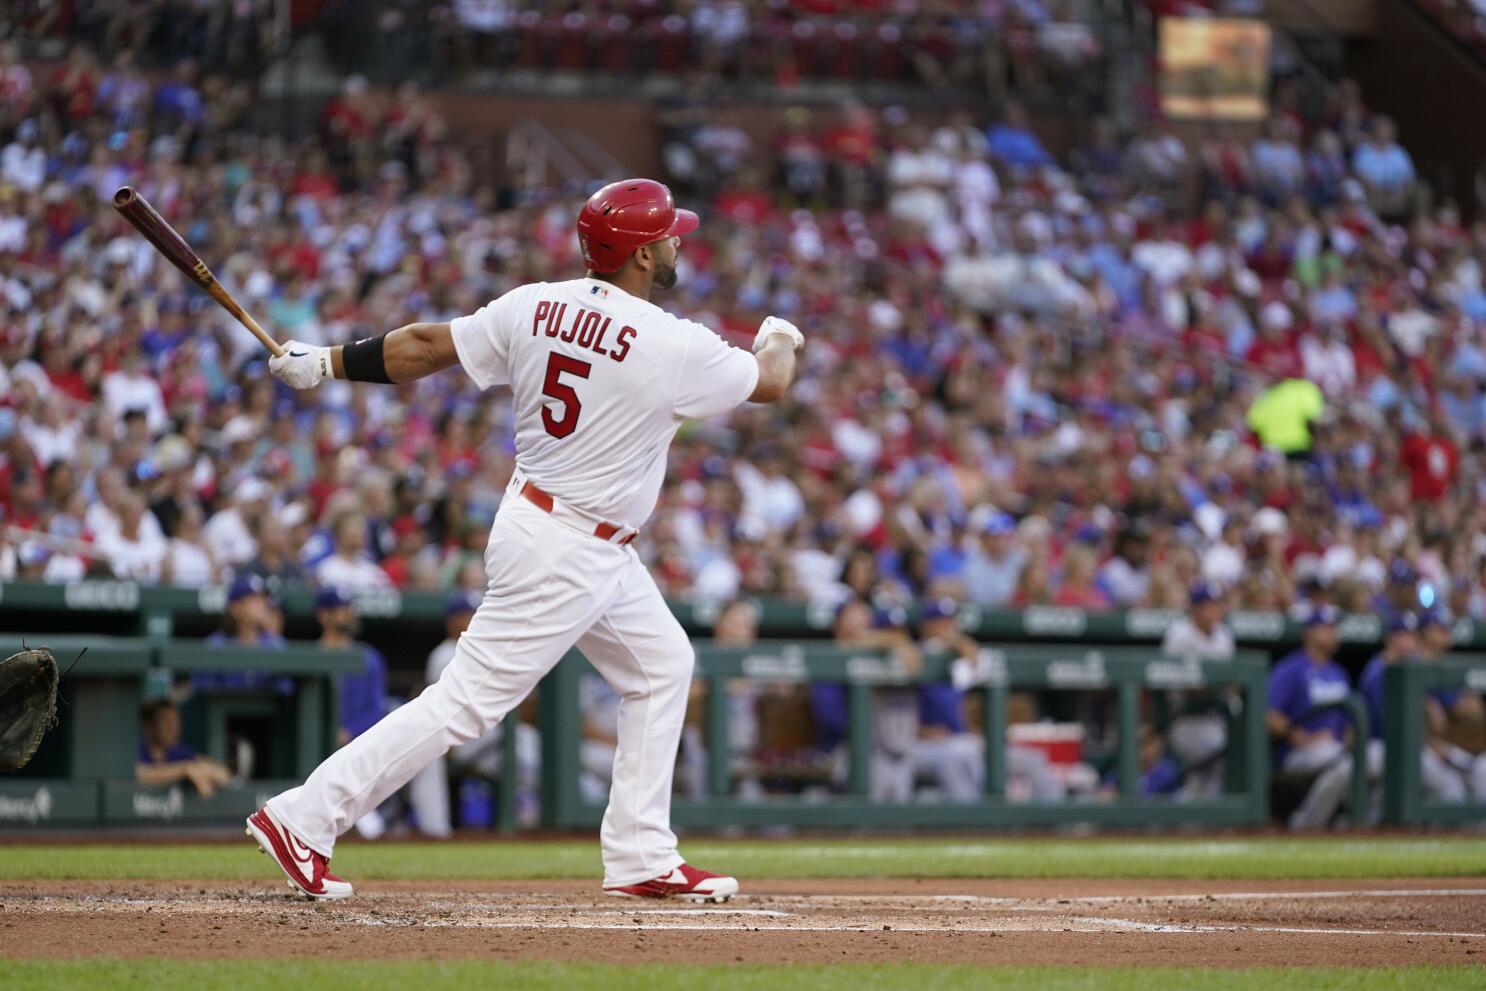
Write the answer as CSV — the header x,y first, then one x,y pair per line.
x,y
133,207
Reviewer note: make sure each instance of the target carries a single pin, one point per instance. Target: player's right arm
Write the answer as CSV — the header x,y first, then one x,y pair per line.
x,y
411,352
477,342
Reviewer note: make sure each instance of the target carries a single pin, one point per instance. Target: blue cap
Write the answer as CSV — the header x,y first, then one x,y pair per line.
x,y
1088,534
331,597
462,601
889,619
1435,617
244,585
942,608
1402,572
1204,592
1323,615
1401,622
998,524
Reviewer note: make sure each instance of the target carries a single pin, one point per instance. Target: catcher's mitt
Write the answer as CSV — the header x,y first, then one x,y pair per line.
x,y
28,704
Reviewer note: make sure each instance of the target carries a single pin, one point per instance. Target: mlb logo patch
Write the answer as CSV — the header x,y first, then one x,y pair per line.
x,y
600,291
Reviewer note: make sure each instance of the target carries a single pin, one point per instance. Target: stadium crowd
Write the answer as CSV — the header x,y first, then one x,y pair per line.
x,y
1032,379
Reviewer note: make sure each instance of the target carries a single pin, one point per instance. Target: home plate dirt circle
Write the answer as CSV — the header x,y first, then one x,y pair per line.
x,y
1136,923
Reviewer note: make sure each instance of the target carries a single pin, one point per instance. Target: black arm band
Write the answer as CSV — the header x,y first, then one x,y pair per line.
x,y
363,361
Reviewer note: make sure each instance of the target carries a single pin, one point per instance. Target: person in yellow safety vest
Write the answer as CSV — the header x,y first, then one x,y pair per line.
x,y
1282,415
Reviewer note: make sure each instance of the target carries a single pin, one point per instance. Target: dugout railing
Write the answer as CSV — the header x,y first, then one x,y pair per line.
x,y
1405,687
129,609
1124,672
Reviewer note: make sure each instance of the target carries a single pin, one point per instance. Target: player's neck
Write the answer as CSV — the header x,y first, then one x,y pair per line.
x,y
633,282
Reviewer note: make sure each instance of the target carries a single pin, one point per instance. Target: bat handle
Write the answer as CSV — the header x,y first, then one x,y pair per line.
x,y
242,316
273,346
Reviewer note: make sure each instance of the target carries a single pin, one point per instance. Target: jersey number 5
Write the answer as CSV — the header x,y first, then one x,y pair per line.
x,y
556,388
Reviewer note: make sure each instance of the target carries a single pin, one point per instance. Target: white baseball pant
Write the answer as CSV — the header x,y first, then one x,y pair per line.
x,y
551,586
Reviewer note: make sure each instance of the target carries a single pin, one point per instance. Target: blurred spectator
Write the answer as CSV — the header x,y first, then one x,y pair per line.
x,y
1126,575
994,563
165,760
1012,143
1283,414
350,566
1385,168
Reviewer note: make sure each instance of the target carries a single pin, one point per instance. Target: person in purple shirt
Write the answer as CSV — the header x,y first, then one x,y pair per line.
x,y
894,710
948,750
165,760
1451,773
363,695
1012,142
1400,642
248,623
1310,736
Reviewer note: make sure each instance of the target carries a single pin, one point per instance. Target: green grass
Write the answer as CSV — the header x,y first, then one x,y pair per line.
x,y
325,975
1234,859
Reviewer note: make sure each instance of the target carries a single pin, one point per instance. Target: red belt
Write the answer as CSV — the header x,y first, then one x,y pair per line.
x,y
544,502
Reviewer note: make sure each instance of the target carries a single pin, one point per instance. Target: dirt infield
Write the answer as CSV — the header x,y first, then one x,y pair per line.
x,y
1007,922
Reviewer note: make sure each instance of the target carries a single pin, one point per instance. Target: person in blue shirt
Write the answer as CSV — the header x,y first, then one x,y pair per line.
x,y
949,751
1451,773
1012,142
1400,644
894,710
946,752
364,694
1310,737
248,622
164,759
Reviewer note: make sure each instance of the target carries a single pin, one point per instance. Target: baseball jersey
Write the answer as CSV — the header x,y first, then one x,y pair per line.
x,y
1371,687
600,381
1184,639
1299,688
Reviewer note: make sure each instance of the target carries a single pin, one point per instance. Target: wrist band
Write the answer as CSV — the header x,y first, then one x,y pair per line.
x,y
363,361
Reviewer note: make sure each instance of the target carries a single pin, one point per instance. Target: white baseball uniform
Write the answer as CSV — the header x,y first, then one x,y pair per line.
x,y
600,380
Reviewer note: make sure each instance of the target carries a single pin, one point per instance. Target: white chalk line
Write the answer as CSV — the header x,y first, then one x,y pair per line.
x,y
1157,927
936,902
1078,925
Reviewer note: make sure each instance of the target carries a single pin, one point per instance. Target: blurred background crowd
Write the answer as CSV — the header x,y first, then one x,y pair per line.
x,y
1090,378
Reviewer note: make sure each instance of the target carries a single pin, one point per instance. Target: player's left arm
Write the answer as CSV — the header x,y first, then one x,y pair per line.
x,y
411,352
776,370
775,348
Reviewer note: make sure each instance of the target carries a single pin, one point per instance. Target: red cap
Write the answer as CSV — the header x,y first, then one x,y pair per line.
x,y
622,216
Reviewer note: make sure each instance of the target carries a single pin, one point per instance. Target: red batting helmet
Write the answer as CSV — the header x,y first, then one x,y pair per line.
x,y
624,215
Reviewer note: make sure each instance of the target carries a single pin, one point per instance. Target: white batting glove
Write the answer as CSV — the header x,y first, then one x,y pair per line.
x,y
777,325
301,366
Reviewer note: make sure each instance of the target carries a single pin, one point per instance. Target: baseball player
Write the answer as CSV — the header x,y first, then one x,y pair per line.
x,y
601,378
1198,734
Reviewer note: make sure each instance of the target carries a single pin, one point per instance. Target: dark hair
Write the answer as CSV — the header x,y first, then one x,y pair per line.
x,y
149,710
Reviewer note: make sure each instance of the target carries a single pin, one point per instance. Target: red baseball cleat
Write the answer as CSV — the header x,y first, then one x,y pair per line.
x,y
308,872
686,883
